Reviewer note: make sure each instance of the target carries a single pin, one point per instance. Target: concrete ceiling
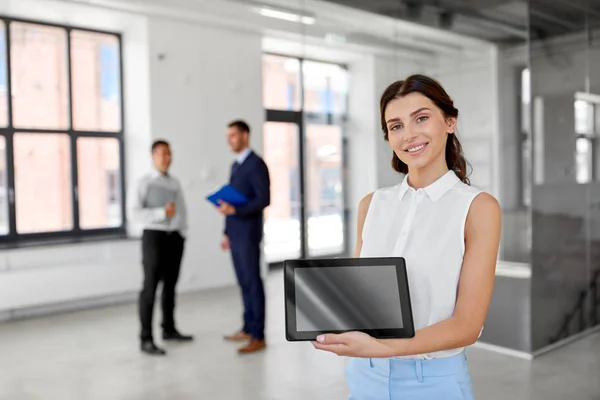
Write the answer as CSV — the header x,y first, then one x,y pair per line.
x,y
498,21
342,25
562,17
338,33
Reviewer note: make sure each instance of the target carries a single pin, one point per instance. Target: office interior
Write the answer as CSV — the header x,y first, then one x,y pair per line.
x,y
86,86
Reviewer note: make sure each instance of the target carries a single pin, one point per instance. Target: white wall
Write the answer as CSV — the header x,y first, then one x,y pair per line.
x,y
473,85
32,277
206,79
515,221
510,63
361,133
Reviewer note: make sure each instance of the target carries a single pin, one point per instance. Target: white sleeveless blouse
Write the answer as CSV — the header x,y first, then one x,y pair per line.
x,y
426,227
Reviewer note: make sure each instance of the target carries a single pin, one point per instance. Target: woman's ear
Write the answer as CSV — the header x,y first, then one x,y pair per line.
x,y
451,124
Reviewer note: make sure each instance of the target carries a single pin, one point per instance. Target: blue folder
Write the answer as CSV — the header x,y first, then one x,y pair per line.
x,y
227,194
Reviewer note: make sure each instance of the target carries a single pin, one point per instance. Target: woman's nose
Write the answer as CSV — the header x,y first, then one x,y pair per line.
x,y
409,133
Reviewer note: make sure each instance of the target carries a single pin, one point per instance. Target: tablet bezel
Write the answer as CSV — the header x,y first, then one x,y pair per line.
x,y
289,266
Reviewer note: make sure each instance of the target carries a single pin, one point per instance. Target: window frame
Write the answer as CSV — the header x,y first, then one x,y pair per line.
x,y
76,233
303,119
592,100
525,160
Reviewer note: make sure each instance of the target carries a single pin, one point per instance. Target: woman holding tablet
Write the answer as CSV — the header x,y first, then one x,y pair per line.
x,y
447,231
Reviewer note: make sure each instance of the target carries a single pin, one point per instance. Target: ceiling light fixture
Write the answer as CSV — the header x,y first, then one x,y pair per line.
x,y
287,16
333,38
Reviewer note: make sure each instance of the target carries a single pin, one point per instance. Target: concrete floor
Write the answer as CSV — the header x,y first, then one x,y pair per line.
x,y
94,355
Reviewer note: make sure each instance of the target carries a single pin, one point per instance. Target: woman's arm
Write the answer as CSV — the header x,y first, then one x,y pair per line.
x,y
363,208
482,238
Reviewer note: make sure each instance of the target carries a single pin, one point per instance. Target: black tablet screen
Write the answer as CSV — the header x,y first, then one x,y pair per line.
x,y
347,298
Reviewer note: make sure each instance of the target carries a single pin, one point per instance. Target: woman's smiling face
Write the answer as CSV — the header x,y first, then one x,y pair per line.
x,y
417,130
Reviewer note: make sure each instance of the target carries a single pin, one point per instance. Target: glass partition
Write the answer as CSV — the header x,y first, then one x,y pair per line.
x,y
565,194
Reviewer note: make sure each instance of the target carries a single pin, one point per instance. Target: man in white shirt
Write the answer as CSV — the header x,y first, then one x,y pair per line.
x,y
159,205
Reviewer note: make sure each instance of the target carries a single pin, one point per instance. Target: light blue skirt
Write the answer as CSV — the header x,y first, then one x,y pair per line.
x,y
403,379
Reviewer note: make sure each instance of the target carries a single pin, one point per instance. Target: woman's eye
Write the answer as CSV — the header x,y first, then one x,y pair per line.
x,y
422,118
396,127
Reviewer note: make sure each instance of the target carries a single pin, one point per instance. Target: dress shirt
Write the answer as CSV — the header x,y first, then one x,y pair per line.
x,y
241,157
147,203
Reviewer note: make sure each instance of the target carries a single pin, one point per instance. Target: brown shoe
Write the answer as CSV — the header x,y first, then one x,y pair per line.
x,y
253,346
241,336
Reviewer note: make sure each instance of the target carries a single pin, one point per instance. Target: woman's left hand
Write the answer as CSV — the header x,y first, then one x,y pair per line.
x,y
353,344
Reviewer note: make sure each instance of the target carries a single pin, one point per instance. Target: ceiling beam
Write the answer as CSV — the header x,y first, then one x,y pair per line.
x,y
571,4
553,19
476,16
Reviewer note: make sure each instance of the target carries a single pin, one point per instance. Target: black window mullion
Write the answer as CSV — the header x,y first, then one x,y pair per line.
x,y
302,169
122,96
10,175
66,26
303,194
283,116
62,131
347,212
122,182
8,77
122,140
10,165
73,141
74,183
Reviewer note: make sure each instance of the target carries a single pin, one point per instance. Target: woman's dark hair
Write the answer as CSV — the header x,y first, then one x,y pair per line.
x,y
430,88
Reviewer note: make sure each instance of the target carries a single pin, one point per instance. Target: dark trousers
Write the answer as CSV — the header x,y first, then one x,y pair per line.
x,y
161,258
246,260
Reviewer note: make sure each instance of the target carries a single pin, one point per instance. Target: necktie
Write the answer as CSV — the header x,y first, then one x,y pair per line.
x,y
234,168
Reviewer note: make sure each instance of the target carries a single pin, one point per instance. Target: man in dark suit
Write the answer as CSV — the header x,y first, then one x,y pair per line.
x,y
244,232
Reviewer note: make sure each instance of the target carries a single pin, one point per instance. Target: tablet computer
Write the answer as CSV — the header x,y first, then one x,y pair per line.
x,y
338,295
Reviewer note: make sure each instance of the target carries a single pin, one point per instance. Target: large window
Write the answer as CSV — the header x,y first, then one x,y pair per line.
x,y
61,132
303,144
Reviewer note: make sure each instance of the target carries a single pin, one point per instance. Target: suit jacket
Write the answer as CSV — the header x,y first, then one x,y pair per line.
x,y
252,180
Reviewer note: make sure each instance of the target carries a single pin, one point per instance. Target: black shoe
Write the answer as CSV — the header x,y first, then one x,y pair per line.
x,y
174,335
149,347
